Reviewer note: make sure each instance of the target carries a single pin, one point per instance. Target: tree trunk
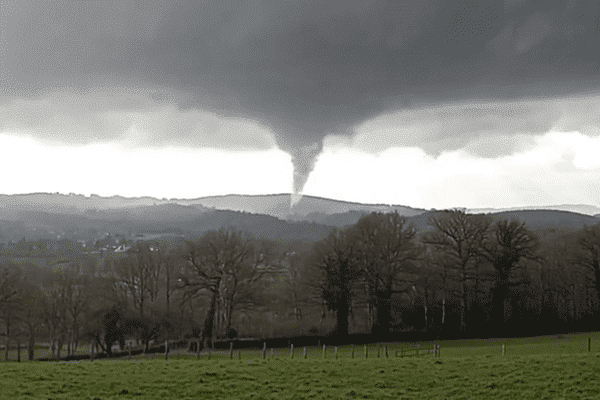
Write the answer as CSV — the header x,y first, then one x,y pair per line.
x,y
229,316
597,276
384,313
7,339
59,346
30,347
207,329
323,316
108,342
168,267
463,301
499,297
342,313
425,305
444,297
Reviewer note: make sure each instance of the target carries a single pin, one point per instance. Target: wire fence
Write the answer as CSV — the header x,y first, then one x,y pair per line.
x,y
169,350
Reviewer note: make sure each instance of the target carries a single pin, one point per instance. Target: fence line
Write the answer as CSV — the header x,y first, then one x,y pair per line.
x,y
382,350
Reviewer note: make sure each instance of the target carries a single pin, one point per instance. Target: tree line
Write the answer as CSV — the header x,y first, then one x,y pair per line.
x,y
466,275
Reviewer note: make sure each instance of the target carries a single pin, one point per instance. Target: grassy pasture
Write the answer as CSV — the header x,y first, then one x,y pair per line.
x,y
541,368
555,376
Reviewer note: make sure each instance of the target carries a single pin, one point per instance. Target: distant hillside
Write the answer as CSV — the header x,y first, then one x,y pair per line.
x,y
75,217
575,208
545,223
56,202
314,209
164,219
278,205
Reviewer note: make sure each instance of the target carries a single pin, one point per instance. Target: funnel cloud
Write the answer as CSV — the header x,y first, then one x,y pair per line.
x,y
289,73
303,159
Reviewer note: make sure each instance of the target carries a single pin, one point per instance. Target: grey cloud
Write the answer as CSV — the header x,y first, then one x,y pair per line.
x,y
148,120
306,69
485,129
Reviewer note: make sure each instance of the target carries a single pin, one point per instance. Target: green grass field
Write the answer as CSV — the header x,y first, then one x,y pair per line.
x,y
540,368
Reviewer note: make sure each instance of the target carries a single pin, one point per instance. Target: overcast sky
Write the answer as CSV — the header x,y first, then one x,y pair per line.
x,y
425,103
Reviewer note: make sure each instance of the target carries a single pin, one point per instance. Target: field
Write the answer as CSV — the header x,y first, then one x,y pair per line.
x,y
541,368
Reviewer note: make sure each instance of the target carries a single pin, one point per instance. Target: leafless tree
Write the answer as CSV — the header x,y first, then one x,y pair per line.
x,y
588,255
138,274
387,253
227,265
337,274
460,236
10,296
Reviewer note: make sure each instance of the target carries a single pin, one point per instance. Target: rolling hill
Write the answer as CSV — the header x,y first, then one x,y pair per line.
x,y
76,217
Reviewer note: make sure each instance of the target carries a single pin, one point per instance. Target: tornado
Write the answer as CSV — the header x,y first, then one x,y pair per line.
x,y
303,159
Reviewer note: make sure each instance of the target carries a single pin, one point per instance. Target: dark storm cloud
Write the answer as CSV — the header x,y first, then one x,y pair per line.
x,y
303,68
487,129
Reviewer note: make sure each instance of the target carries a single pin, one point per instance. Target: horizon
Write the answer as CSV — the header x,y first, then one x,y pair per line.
x,y
468,209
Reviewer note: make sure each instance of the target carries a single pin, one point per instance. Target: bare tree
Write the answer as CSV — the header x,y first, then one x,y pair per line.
x,y
588,255
337,274
171,261
387,253
460,236
240,287
138,272
226,264
30,313
10,296
77,301
296,284
55,312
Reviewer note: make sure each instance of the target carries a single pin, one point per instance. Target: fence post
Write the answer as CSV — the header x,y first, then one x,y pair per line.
x,y
366,352
129,349
590,343
198,349
166,349
292,350
503,349
18,351
305,352
336,352
231,350
352,351
92,352
264,350
324,350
